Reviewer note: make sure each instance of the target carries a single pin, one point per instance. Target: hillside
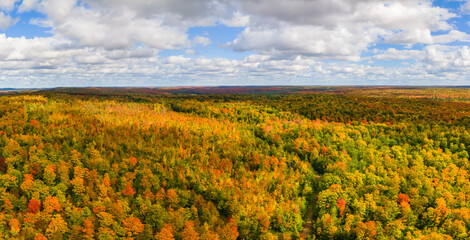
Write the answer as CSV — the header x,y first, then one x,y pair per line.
x,y
231,163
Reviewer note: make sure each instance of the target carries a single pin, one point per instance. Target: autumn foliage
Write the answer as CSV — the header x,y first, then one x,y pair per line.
x,y
297,163
132,226
166,233
34,206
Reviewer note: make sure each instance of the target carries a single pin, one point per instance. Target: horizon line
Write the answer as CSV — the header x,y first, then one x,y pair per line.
x,y
233,86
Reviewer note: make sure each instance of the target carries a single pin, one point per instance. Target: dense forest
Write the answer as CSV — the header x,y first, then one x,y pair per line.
x,y
231,163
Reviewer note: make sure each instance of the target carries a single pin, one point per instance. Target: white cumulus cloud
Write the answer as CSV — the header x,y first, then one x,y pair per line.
x,y
7,5
6,21
339,29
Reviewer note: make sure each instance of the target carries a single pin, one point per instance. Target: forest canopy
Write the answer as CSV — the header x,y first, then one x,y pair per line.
x,y
226,163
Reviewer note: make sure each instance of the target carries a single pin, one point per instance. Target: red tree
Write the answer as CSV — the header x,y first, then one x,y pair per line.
x,y
34,206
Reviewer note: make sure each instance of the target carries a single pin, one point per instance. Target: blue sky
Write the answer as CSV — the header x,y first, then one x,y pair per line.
x,y
52,43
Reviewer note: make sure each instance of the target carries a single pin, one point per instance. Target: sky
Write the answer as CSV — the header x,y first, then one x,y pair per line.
x,y
58,43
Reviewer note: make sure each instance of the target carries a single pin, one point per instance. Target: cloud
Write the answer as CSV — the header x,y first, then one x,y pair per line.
x,y
394,54
321,28
338,43
88,67
122,24
202,41
449,64
411,37
190,52
403,15
117,42
34,50
465,8
6,21
27,5
440,59
177,11
338,29
237,20
451,36
7,5
300,12
110,28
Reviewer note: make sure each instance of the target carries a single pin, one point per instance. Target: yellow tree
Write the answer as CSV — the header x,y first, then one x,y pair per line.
x,y
57,228
14,226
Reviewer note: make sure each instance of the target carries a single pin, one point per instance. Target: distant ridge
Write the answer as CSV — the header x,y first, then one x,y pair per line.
x,y
7,91
21,89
